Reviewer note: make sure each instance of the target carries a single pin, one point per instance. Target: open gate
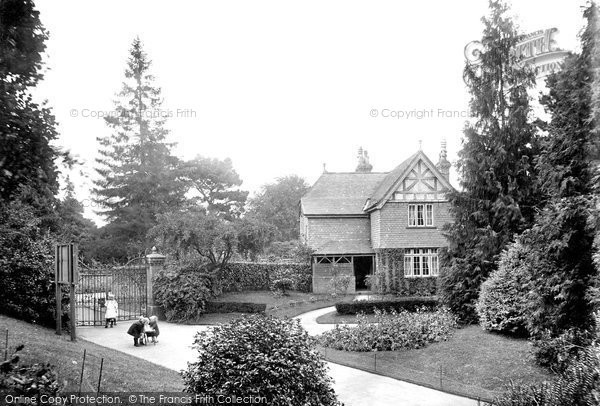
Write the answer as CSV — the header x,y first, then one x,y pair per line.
x,y
128,284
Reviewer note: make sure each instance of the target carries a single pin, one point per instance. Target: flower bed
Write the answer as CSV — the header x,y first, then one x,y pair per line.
x,y
370,306
392,331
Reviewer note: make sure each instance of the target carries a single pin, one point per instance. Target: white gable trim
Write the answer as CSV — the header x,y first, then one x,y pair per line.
x,y
419,157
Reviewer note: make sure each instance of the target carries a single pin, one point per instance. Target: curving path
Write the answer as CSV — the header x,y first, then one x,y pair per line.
x,y
354,387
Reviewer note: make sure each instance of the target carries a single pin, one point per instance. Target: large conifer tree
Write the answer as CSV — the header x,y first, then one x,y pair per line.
x,y
495,166
564,231
137,173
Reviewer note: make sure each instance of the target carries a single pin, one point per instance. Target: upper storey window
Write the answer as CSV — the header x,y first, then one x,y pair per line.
x,y
420,215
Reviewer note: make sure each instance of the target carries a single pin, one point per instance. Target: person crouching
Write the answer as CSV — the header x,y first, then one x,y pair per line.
x,y
137,331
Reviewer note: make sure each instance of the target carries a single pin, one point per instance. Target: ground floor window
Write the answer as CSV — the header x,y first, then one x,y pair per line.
x,y
420,262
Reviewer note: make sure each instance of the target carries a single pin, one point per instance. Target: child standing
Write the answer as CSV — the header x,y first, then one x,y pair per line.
x,y
153,330
112,311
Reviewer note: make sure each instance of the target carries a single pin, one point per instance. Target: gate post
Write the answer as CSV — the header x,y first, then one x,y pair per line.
x,y
156,263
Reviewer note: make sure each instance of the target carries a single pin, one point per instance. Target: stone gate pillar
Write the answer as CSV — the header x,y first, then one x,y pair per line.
x,y
156,264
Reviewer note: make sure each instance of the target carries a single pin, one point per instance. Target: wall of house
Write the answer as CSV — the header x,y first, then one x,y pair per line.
x,y
303,228
376,228
395,233
323,275
323,230
390,276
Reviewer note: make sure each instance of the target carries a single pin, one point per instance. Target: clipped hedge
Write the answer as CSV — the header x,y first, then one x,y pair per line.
x,y
235,307
245,276
410,304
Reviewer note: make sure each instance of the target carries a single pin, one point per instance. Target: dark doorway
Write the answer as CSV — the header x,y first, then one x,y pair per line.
x,y
363,266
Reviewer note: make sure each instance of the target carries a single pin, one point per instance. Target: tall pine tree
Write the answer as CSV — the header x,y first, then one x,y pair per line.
x,y
495,166
137,173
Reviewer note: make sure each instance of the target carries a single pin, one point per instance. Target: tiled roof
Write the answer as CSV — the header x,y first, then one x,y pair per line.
x,y
341,193
341,247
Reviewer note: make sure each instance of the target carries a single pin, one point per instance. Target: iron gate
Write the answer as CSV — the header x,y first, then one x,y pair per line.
x,y
127,283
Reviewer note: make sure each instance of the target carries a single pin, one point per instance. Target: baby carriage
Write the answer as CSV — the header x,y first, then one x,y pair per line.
x,y
149,334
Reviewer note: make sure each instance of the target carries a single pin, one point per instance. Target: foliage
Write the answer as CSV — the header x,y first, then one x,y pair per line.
x,y
193,231
283,280
558,353
244,276
392,331
562,241
277,204
578,385
27,380
340,281
27,129
503,299
253,237
235,307
410,304
260,356
217,184
292,250
497,176
182,290
137,173
26,267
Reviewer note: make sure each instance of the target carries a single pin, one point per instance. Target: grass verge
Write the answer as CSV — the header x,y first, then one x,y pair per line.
x,y
291,305
121,372
472,363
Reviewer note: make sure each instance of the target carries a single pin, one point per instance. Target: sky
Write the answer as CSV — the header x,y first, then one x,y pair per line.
x,y
280,87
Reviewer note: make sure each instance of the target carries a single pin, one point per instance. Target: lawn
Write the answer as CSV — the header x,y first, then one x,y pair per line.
x,y
336,318
473,362
121,372
291,305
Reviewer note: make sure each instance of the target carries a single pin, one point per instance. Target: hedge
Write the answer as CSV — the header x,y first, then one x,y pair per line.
x,y
410,304
235,307
245,276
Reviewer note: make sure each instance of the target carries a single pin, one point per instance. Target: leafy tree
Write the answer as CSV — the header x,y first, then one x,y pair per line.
x,y
253,237
277,204
137,173
217,184
72,225
27,159
194,231
260,356
495,165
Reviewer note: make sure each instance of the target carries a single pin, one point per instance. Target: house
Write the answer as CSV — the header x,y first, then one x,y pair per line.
x,y
381,229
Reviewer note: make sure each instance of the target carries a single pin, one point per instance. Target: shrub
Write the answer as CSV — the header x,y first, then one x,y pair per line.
x,y
182,290
578,385
283,281
503,297
260,356
410,304
27,380
235,307
392,331
557,353
27,268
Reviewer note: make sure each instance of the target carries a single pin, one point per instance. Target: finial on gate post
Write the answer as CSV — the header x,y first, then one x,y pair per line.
x,y
154,250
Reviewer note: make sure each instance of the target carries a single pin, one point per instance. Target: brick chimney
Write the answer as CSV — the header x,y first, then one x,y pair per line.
x,y
363,161
443,165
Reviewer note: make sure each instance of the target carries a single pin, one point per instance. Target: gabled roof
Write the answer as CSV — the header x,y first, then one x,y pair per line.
x,y
357,193
340,193
395,177
389,181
